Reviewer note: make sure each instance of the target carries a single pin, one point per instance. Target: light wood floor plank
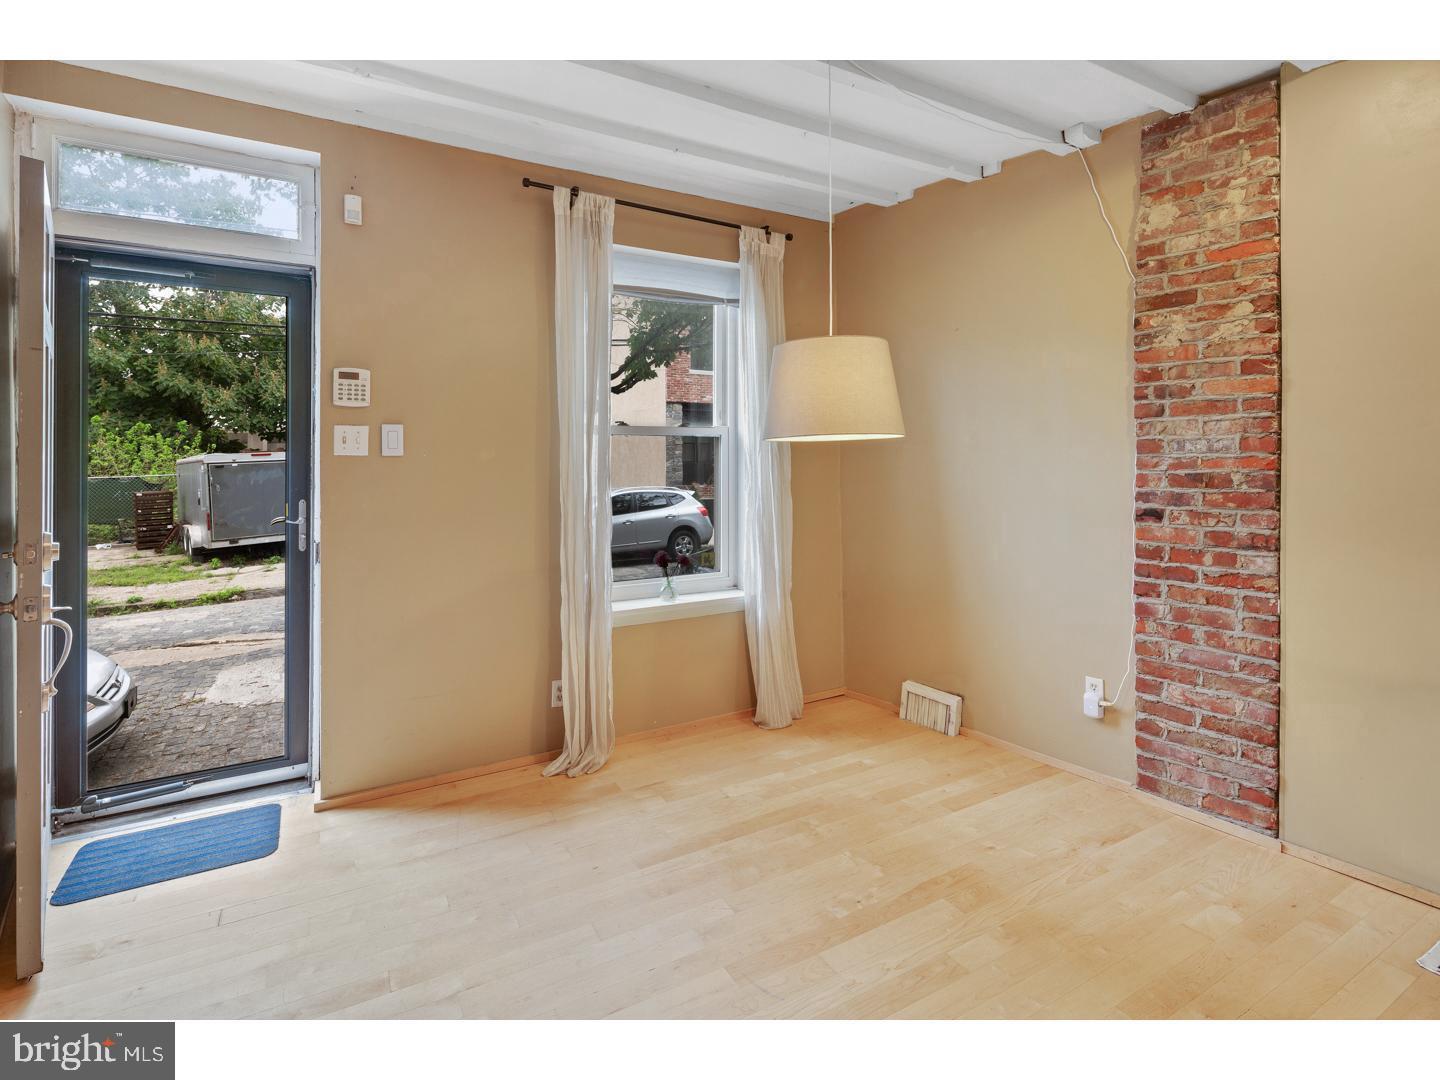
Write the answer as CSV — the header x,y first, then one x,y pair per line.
x,y
850,866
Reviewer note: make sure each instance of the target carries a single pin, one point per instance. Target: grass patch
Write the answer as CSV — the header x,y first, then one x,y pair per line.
x,y
220,596
151,573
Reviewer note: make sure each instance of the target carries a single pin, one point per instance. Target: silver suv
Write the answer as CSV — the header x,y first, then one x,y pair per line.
x,y
650,518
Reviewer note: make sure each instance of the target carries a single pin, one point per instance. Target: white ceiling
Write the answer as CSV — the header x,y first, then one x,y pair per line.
x,y
750,132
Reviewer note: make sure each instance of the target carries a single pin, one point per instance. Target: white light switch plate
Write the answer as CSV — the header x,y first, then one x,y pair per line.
x,y
352,440
392,440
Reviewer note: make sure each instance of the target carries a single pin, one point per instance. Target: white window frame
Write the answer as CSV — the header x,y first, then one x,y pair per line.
x,y
625,595
47,133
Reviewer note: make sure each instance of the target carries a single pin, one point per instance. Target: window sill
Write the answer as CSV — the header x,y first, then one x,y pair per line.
x,y
686,606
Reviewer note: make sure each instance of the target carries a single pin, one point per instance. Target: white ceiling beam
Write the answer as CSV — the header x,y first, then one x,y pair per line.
x,y
796,203
478,100
909,153
898,85
1145,85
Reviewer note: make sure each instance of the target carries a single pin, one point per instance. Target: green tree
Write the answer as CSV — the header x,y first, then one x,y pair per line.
x,y
140,450
164,355
659,331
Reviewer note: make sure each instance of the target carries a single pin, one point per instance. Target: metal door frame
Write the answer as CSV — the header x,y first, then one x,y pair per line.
x,y
75,261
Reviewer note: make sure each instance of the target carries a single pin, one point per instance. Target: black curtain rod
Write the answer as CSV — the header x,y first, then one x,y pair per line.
x,y
574,191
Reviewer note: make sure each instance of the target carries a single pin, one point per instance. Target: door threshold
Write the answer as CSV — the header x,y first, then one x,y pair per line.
x,y
73,825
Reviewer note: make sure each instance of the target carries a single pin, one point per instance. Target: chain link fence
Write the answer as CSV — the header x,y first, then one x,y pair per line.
x,y
110,504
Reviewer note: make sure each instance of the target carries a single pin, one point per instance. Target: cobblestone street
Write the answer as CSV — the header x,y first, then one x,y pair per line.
x,y
211,689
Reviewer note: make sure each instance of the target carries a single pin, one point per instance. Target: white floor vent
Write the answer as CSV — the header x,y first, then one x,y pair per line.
x,y
930,708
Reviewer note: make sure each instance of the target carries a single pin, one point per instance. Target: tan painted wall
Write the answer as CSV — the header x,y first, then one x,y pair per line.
x,y
989,552
1360,578
445,294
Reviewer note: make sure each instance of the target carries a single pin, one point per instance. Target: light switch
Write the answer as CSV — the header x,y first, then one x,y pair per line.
x,y
392,440
352,440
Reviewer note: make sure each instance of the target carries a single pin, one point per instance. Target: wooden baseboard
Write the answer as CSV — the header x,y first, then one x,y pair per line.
x,y
879,703
1036,755
422,782
1382,881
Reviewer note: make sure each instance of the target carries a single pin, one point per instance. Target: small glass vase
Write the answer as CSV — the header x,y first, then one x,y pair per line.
x,y
667,590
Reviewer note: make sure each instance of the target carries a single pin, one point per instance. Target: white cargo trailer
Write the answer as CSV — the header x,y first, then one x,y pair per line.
x,y
230,500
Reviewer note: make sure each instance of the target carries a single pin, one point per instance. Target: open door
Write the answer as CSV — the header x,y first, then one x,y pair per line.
x,y
35,554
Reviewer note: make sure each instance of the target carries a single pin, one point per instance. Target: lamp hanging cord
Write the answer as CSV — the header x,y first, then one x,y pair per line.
x,y
1125,258
1124,255
1129,667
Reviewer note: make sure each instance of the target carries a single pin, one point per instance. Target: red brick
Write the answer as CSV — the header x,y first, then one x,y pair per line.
x,y
1207,383
1167,712
1243,813
1243,250
1168,751
1203,781
1263,627
1255,733
1260,605
1206,597
1167,300
1218,746
1189,697
1168,791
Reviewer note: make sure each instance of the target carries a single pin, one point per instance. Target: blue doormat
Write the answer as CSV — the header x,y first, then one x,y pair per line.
x,y
127,862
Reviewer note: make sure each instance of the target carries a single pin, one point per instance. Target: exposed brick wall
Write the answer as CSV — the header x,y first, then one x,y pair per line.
x,y
1207,410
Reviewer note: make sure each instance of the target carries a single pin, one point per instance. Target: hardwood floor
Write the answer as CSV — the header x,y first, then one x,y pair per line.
x,y
851,866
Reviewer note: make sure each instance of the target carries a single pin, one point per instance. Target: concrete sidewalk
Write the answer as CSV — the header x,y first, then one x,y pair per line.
x,y
258,580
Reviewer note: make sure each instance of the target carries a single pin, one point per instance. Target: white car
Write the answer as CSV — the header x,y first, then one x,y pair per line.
x,y
110,696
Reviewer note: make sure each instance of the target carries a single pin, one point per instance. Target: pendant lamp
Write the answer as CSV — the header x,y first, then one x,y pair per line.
x,y
832,388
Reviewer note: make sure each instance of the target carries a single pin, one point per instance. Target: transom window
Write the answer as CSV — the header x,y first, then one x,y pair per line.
x,y
100,180
673,331
133,187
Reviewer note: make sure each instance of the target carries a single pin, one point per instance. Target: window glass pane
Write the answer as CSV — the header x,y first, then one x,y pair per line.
x,y
671,513
661,363
101,181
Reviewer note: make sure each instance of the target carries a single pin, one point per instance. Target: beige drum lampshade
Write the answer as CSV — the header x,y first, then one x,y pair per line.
x,y
831,389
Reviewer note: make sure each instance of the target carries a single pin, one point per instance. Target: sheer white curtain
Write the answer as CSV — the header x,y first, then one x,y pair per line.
x,y
582,388
764,556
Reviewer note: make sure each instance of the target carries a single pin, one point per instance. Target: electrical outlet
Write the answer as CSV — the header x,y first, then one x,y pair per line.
x,y
1093,703
556,692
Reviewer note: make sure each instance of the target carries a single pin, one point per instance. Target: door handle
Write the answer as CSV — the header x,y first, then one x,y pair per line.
x,y
299,521
47,692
